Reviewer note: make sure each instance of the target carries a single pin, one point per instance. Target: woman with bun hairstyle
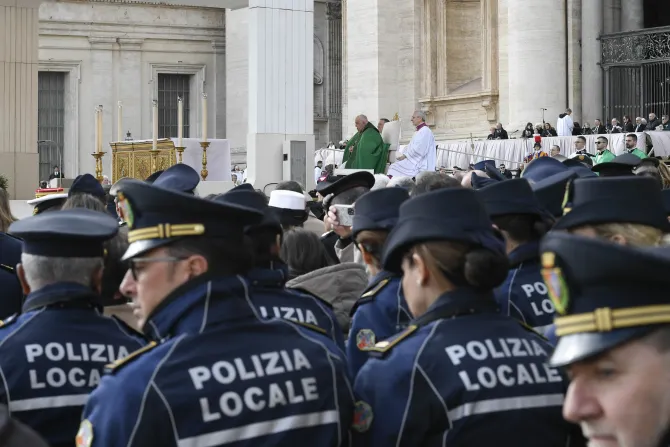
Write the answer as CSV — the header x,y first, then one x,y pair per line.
x,y
381,311
461,374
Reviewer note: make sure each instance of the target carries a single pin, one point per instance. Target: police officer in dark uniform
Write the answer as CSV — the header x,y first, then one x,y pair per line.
x,y
179,177
382,310
87,184
270,273
613,328
461,374
216,374
513,208
12,294
52,356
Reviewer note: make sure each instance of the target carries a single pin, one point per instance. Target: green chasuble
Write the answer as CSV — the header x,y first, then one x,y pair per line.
x,y
603,157
638,152
370,151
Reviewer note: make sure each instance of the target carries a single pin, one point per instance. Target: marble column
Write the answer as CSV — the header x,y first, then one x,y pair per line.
x,y
537,61
632,15
19,64
102,73
130,78
592,74
281,87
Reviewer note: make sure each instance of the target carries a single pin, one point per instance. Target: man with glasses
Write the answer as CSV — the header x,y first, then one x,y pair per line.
x,y
52,356
216,372
603,154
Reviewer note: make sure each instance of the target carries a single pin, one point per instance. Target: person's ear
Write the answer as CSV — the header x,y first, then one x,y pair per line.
x,y
197,266
422,271
21,273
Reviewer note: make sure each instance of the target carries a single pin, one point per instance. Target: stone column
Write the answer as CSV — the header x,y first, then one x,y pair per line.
x,y
281,87
575,58
503,63
592,74
632,15
102,74
130,81
537,61
219,48
19,64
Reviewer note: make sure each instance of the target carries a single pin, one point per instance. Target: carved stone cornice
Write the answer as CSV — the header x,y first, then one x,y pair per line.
x,y
102,43
130,44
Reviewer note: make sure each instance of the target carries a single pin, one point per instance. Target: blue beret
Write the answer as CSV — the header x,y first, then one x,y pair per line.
x,y
378,210
87,184
179,177
601,302
73,233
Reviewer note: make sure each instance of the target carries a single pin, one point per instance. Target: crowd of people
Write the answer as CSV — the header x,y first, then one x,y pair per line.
x,y
463,309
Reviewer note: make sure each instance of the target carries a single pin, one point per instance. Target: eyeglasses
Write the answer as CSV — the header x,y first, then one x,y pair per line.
x,y
600,142
133,263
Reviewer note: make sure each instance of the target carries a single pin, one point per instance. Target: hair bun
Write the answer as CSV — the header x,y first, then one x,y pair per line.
x,y
485,269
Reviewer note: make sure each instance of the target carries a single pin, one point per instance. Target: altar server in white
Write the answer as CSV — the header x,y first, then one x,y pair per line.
x,y
421,152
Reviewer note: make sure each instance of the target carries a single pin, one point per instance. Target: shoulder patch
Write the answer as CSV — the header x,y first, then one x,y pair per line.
x,y
309,326
7,269
375,290
85,434
385,346
113,367
9,320
363,416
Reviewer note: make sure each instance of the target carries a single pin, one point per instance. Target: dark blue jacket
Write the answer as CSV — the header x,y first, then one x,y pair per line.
x,y
222,376
52,357
523,295
272,300
380,313
11,297
461,375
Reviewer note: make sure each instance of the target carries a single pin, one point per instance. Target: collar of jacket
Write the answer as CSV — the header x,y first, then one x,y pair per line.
x,y
274,275
379,277
60,293
529,251
199,303
462,301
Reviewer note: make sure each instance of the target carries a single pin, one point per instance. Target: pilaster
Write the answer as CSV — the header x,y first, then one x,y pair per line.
x,y
219,88
130,82
102,75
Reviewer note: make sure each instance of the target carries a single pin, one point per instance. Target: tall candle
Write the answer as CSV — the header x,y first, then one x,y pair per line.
x,y
180,121
155,126
97,130
119,123
204,117
100,128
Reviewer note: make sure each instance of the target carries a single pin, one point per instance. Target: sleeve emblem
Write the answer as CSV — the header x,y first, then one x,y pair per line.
x,y
365,339
362,416
85,434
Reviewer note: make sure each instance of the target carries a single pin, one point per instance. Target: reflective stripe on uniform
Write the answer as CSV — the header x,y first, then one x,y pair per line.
x,y
542,329
259,429
42,403
506,404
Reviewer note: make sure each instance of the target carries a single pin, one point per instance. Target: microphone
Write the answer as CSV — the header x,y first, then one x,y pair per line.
x,y
542,108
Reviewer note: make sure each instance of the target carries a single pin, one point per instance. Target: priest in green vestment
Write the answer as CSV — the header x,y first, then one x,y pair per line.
x,y
366,149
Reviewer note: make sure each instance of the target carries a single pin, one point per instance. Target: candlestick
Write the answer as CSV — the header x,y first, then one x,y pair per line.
x,y
119,123
98,165
155,124
204,173
204,117
100,128
180,121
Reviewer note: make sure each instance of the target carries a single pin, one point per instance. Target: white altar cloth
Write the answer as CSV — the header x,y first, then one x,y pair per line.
x,y
218,157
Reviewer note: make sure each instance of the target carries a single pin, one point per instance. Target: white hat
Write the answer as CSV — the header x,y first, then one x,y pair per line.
x,y
288,200
47,197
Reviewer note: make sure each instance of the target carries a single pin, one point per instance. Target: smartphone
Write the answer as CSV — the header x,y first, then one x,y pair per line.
x,y
345,214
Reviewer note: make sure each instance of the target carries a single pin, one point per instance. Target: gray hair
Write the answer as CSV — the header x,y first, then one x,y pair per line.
x,y
42,271
420,114
402,182
363,118
381,181
430,181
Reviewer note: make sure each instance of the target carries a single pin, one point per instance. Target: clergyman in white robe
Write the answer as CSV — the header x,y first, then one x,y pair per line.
x,y
420,154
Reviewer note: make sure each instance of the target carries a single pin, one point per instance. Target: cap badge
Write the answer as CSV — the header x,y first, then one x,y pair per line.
x,y
553,278
126,210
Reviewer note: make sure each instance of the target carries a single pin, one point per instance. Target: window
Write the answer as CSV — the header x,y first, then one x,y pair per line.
x,y
170,87
50,121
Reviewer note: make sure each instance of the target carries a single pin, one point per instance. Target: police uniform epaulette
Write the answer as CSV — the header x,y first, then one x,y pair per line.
x,y
7,269
117,365
381,348
369,295
311,327
9,320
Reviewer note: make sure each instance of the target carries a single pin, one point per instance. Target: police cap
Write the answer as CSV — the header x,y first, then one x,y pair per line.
x,y
87,184
582,171
339,184
179,177
378,210
479,182
493,172
158,216
73,233
451,214
550,192
152,178
591,201
510,197
255,200
579,160
601,302
621,165
542,168
48,202
481,165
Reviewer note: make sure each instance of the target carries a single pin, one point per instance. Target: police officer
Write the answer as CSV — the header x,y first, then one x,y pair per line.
x,y
270,273
461,374
513,208
217,373
87,184
550,191
179,177
620,166
613,326
10,256
52,356
382,310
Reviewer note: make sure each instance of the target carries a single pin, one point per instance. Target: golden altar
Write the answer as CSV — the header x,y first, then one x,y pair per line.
x,y
137,159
